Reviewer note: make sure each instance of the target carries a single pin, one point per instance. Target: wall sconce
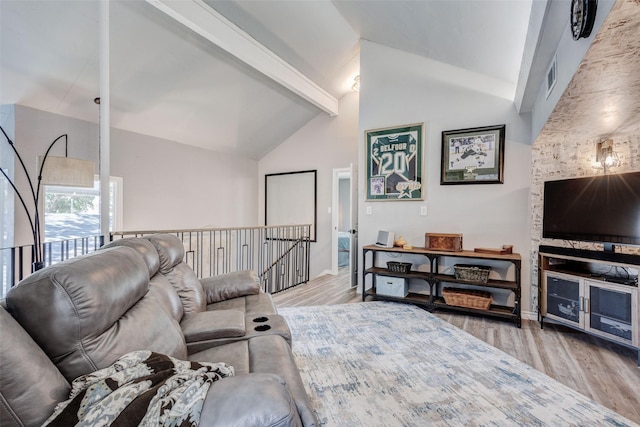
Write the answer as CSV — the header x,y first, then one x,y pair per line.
x,y
605,155
356,83
57,171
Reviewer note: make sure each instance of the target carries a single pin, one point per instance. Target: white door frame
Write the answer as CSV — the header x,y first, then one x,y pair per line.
x,y
353,225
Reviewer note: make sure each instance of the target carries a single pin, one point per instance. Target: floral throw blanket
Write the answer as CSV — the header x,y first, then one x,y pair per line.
x,y
141,388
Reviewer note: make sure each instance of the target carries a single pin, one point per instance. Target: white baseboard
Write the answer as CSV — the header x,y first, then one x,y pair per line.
x,y
325,272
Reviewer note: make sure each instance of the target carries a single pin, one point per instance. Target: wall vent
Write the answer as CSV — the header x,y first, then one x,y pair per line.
x,y
552,75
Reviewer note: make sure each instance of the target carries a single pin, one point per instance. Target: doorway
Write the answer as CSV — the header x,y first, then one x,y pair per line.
x,y
344,224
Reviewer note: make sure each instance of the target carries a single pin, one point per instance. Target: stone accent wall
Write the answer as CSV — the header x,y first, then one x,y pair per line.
x,y
557,157
601,102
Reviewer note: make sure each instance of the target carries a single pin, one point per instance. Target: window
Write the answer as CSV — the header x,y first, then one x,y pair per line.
x,y
73,212
6,217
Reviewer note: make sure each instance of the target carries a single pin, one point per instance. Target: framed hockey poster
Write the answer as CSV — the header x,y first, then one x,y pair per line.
x,y
473,156
394,163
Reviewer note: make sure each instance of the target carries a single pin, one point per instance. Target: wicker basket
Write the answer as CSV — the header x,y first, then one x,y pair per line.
x,y
467,298
398,267
474,273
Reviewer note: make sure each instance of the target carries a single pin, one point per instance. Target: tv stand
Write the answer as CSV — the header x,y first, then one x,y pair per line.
x,y
592,291
614,257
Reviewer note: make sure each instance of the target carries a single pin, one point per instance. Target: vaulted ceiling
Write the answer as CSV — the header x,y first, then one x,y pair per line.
x,y
168,81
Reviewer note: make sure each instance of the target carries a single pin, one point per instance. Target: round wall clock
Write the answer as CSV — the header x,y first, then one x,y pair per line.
x,y
583,14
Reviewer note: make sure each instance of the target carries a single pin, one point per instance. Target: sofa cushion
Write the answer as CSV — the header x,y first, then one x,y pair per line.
x,y
210,325
144,247
266,354
259,304
230,285
170,250
271,354
30,385
161,290
179,274
255,400
164,291
186,284
88,311
235,354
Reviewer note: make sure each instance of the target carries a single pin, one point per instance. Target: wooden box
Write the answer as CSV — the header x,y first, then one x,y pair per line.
x,y
443,242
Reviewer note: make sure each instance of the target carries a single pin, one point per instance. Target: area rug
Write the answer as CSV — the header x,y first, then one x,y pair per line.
x,y
389,364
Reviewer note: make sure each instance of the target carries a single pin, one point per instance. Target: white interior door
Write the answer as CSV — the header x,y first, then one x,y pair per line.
x,y
340,223
353,250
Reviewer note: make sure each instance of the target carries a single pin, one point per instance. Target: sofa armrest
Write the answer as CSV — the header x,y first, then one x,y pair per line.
x,y
249,400
230,285
210,325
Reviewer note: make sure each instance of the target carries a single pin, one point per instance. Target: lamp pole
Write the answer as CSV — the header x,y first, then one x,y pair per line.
x,y
34,222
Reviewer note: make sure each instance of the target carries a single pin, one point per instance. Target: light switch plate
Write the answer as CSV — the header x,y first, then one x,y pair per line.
x,y
423,210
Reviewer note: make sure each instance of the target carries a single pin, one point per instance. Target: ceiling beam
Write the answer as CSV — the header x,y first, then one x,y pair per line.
x,y
205,21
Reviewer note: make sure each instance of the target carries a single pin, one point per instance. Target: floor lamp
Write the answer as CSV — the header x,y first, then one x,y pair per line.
x,y
52,170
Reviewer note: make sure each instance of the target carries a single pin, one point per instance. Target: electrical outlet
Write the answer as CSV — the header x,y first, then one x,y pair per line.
x,y
329,209
423,210
369,210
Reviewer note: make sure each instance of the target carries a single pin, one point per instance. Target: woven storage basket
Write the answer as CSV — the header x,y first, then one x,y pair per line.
x,y
398,267
467,298
474,273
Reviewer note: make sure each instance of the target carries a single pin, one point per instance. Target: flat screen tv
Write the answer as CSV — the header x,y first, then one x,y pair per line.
x,y
604,209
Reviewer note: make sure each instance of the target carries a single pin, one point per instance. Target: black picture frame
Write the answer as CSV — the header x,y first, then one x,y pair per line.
x,y
292,198
473,156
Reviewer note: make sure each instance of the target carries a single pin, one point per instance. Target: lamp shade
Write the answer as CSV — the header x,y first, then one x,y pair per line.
x,y
65,171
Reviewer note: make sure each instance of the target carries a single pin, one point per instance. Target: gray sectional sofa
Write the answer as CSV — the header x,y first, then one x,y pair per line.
x,y
81,315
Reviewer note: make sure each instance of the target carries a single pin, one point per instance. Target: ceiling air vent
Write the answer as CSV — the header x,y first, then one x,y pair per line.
x,y
551,76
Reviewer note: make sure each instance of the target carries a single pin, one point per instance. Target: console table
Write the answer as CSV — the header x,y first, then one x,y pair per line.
x,y
433,278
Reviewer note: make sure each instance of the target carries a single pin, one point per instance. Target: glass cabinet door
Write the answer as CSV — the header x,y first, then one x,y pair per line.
x,y
564,298
611,311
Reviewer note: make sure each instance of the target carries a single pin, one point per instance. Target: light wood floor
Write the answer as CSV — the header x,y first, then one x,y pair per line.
x,y
607,373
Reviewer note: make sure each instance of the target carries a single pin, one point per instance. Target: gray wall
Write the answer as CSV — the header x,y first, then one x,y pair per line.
x,y
569,54
325,143
400,88
166,185
175,186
